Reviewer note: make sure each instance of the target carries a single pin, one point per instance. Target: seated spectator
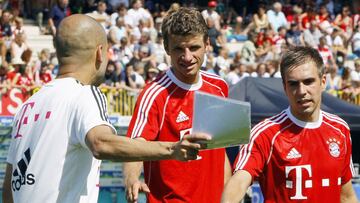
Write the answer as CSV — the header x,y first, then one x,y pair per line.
x,y
325,52
261,71
23,78
222,62
45,75
355,74
312,35
344,23
237,57
137,13
307,17
125,54
122,12
260,20
243,71
159,51
333,81
338,42
294,36
273,68
119,30
233,76
4,85
5,36
133,80
215,37
111,78
249,52
151,75
236,34
18,46
324,14
210,12
355,41
279,41
100,15
19,26
276,17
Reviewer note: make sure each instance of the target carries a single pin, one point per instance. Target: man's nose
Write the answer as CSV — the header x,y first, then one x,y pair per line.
x,y
187,55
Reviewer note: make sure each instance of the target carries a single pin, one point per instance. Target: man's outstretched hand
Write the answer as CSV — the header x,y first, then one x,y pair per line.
x,y
188,148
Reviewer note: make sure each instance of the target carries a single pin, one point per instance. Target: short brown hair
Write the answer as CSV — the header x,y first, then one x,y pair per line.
x,y
184,22
297,56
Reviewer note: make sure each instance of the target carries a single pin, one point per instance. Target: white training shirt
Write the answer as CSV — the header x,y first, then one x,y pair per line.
x,y
50,160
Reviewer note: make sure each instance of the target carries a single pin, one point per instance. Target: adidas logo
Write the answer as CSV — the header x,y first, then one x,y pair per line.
x,y
293,154
20,177
182,117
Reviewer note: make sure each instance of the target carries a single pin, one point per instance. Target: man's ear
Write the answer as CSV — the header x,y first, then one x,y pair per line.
x,y
99,56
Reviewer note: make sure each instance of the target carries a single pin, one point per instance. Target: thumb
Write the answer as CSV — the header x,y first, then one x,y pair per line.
x,y
145,188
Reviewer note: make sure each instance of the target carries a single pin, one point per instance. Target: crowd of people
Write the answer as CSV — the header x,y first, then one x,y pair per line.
x,y
137,56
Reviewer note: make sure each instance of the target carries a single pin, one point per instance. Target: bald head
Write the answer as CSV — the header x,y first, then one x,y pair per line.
x,y
77,38
81,47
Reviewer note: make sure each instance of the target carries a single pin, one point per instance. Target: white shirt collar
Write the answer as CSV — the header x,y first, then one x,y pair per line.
x,y
303,124
185,86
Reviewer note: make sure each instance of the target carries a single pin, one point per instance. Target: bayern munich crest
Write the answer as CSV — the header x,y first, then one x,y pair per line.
x,y
334,148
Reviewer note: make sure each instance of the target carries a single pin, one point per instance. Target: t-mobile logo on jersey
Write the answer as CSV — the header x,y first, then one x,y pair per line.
x,y
299,181
24,117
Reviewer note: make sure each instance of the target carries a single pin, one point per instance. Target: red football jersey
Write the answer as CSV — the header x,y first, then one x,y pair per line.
x,y
296,161
164,112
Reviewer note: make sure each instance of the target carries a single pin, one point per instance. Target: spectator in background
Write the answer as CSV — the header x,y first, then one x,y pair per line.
x,y
111,78
215,37
294,36
101,16
260,21
5,36
19,26
355,41
306,18
250,52
4,84
119,30
45,75
243,71
137,13
122,12
312,35
333,81
344,22
355,74
159,51
276,17
261,69
325,52
233,76
18,46
133,80
338,43
57,14
151,75
237,33
125,54
210,12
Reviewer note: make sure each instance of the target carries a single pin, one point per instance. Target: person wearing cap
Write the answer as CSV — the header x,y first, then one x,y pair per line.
x,y
210,12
